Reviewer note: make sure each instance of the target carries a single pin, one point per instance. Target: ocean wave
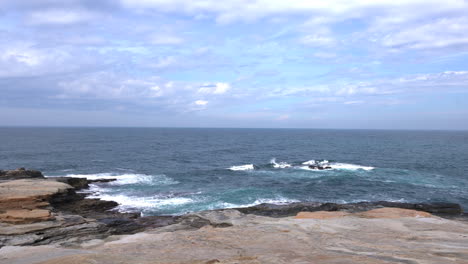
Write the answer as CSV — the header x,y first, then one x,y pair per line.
x,y
129,203
334,165
242,167
348,166
226,205
280,165
128,178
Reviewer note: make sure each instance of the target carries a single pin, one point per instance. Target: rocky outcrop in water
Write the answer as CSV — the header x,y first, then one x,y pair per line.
x,y
20,173
39,211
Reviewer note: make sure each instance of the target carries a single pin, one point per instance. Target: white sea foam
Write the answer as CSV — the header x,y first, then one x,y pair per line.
x,y
278,200
128,178
347,166
334,165
127,203
280,165
242,167
309,162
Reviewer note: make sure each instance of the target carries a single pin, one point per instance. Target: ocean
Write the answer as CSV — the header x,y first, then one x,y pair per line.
x,y
178,170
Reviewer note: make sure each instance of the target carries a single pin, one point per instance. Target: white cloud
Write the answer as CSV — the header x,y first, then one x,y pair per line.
x,y
201,102
354,102
19,59
59,16
440,33
156,91
317,40
232,10
456,81
214,88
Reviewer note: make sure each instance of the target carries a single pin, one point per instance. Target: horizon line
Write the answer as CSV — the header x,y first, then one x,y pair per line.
x,y
279,128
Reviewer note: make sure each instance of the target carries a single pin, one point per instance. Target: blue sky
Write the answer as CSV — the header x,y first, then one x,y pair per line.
x,y
235,63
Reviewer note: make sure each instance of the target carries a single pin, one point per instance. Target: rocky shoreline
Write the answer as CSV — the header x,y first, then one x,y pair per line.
x,y
37,211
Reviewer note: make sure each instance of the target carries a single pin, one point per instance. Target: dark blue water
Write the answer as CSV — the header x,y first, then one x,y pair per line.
x,y
172,171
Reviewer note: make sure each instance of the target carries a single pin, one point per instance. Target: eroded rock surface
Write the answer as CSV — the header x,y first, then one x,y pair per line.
x,y
385,212
64,227
291,209
26,201
259,239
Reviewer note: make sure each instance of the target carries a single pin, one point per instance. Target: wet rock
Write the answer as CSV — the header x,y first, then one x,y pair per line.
x,y
92,208
118,226
77,183
291,209
101,180
20,173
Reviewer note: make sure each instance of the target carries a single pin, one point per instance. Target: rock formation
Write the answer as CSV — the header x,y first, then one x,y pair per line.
x,y
20,173
391,235
44,212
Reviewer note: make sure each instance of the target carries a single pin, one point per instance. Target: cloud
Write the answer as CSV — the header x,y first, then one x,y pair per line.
x,y
59,16
234,10
201,102
354,102
441,33
456,81
317,40
214,88
23,59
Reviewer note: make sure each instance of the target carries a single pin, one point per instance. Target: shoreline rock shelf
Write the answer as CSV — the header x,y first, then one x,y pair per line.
x,y
51,216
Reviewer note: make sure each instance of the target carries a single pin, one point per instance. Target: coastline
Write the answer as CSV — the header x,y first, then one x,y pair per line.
x,y
40,212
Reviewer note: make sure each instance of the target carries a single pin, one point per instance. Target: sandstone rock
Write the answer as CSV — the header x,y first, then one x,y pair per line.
x,y
393,213
320,215
258,239
374,213
25,216
23,201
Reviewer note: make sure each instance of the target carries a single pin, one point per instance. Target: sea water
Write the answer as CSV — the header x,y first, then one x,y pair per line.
x,y
179,170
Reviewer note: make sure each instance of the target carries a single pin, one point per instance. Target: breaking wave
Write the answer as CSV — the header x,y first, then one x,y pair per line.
x,y
132,203
242,167
280,165
128,178
334,165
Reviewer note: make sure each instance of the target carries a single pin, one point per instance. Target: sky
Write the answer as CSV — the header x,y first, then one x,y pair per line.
x,y
381,64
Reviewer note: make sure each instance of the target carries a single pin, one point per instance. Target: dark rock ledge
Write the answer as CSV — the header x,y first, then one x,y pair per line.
x,y
39,211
